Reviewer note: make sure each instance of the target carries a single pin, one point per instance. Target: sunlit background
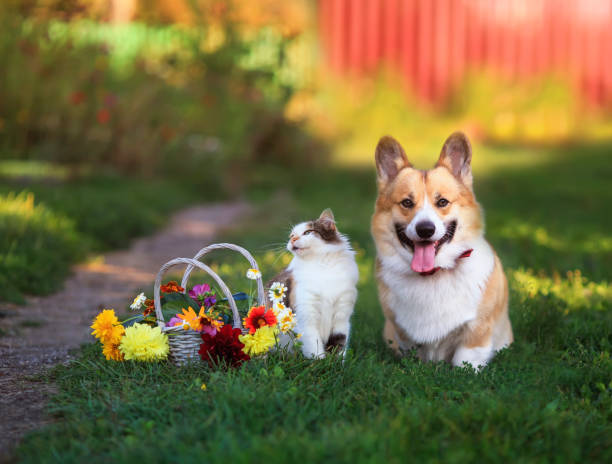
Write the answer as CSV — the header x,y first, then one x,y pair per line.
x,y
115,113
152,85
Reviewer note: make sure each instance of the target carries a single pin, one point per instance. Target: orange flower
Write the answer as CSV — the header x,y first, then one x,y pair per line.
x,y
191,320
107,327
111,352
149,307
259,317
172,287
210,319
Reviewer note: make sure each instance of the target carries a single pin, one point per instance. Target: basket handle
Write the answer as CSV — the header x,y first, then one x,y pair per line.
x,y
261,300
192,263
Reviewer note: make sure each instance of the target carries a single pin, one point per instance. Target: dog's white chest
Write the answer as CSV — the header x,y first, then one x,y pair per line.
x,y
428,308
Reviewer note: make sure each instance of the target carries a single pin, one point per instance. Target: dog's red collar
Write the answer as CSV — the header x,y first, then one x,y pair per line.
x,y
465,254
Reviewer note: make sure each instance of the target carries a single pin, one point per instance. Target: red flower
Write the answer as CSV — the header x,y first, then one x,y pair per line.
x,y
149,307
224,345
103,116
171,287
259,317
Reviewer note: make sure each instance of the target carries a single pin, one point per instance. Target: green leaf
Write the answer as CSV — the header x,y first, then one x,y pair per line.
x,y
552,406
172,296
184,298
136,320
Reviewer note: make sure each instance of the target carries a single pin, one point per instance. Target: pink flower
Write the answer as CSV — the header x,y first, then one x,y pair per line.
x,y
175,321
210,330
203,295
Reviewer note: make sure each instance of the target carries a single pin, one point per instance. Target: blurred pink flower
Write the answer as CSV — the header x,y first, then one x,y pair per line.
x,y
110,100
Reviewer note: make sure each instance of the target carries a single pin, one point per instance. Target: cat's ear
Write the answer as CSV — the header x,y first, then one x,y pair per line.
x,y
326,221
390,159
327,215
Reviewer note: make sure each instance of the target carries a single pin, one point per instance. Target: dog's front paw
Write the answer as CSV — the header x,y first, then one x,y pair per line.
x,y
477,357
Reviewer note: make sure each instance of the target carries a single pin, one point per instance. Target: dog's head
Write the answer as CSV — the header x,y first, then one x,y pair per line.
x,y
427,218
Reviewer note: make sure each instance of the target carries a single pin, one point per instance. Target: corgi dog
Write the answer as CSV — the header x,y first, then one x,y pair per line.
x,y
441,286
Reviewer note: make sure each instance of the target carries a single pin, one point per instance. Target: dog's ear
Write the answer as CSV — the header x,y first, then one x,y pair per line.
x,y
390,159
456,156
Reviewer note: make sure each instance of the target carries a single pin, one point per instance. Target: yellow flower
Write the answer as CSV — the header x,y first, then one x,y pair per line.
x,y
111,352
261,341
142,342
107,327
203,387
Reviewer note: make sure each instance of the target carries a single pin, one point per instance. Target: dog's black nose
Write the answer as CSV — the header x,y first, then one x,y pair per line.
x,y
425,229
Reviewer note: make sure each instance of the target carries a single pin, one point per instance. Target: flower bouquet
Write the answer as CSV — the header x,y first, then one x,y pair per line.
x,y
204,322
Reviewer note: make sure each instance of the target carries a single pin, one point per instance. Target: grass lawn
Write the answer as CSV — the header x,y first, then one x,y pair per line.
x,y
47,224
548,398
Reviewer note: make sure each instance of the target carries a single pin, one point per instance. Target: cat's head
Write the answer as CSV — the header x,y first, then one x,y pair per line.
x,y
316,237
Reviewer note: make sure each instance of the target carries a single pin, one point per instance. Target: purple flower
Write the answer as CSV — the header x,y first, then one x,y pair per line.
x,y
203,295
210,300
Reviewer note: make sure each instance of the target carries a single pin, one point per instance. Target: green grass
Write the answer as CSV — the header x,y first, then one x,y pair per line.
x,y
548,398
37,246
48,225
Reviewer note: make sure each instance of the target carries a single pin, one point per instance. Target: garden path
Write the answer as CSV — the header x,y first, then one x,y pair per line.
x,y
42,333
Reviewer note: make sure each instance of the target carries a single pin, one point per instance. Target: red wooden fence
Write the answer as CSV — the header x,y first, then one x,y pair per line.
x,y
432,43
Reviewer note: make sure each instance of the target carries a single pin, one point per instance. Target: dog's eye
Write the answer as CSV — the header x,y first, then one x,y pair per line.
x,y
442,202
407,203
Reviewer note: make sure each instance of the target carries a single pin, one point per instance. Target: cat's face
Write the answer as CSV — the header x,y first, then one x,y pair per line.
x,y
315,237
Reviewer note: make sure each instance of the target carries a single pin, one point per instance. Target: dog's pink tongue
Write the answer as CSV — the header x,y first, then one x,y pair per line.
x,y
424,255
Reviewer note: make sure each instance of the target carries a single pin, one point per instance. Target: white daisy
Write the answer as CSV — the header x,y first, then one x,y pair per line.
x,y
277,292
286,320
253,274
138,302
278,307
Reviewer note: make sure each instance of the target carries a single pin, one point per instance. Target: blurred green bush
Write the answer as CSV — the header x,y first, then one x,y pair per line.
x,y
145,99
37,247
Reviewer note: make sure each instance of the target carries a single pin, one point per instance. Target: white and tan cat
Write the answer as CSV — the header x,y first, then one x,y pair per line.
x,y
321,285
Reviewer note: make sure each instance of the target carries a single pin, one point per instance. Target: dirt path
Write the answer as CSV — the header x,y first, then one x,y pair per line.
x,y
41,333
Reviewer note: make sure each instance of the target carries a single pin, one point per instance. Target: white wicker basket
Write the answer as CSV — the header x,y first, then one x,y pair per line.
x,y
185,344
